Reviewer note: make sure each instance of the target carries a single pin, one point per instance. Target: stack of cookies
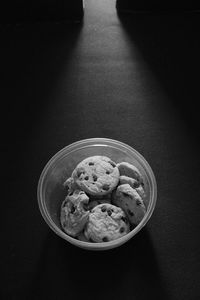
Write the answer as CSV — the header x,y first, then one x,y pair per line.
x,y
104,200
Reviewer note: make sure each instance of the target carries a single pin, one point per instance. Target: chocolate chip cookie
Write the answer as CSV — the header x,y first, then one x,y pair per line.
x,y
130,170
130,201
74,215
106,223
96,175
134,184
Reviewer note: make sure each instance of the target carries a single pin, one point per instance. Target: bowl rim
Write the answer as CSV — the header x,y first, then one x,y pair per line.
x,y
96,142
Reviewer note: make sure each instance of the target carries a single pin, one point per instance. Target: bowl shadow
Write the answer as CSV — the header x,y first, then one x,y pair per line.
x,y
132,270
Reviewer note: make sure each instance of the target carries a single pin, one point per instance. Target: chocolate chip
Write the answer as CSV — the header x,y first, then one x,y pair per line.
x,y
94,177
71,193
86,177
91,164
103,209
105,239
107,172
136,184
105,187
109,212
122,229
73,209
130,212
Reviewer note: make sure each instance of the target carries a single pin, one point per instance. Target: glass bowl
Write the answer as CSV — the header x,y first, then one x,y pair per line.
x,y
51,191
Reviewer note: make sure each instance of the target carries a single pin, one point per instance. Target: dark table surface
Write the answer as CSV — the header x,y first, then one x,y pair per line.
x,y
134,79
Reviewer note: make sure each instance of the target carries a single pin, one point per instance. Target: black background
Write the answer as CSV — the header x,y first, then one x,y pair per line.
x,y
20,11
134,79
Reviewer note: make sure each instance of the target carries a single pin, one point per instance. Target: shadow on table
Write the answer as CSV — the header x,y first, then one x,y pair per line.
x,y
170,43
130,271
35,59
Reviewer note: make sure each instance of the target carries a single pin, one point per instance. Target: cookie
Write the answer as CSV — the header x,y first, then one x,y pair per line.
x,y
74,216
134,184
130,170
106,223
96,175
130,201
